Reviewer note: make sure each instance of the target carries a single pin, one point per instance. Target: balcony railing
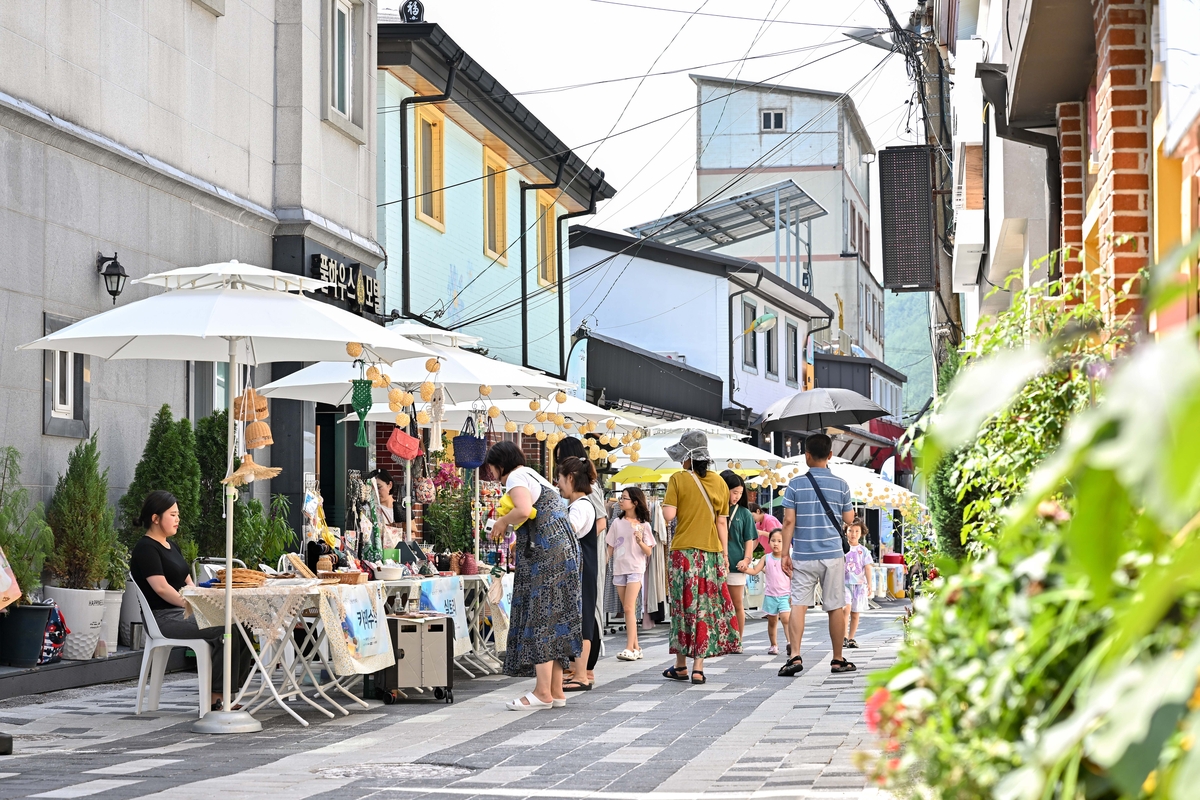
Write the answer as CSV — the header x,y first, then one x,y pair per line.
x,y
833,340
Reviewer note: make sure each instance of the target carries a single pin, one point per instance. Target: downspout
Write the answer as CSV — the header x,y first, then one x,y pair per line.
x,y
525,187
591,209
405,293
980,277
994,78
732,296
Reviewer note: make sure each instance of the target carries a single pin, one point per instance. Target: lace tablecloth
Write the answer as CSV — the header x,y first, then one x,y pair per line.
x,y
269,611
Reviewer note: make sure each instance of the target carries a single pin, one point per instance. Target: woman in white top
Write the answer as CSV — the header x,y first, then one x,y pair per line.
x,y
575,479
544,632
593,579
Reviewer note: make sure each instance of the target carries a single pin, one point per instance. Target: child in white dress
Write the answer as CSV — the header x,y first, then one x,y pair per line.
x,y
858,577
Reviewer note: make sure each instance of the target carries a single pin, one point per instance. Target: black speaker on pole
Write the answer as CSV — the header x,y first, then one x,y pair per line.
x,y
906,199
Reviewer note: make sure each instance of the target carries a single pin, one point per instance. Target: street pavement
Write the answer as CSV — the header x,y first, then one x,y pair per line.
x,y
746,734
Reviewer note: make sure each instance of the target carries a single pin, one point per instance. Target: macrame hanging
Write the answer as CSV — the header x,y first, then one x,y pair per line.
x,y
360,401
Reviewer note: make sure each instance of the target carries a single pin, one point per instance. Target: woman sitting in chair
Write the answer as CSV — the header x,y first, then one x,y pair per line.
x,y
160,571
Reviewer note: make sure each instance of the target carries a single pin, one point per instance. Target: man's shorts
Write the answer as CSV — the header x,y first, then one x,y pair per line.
x,y
829,574
774,606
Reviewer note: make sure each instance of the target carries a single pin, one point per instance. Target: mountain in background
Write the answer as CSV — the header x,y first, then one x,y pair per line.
x,y
907,349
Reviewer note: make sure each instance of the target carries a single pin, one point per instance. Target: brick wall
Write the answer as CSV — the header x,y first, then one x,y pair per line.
x,y
1070,151
1123,140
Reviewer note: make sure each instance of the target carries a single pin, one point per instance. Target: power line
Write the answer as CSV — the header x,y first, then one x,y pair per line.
x,y
718,16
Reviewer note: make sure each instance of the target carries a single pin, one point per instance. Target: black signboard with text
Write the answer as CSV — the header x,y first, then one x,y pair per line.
x,y
356,287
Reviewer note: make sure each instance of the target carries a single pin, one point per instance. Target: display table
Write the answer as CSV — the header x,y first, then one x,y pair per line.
x,y
462,597
273,612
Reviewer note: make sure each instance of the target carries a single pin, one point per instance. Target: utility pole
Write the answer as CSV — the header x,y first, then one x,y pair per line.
x,y
927,68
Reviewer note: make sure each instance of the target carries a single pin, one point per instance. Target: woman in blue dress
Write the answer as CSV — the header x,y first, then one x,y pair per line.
x,y
545,625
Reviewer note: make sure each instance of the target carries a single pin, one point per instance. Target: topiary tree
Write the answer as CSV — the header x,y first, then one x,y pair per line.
x,y
168,463
212,442
24,535
82,520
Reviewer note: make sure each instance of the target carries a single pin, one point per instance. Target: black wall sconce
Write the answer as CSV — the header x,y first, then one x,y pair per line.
x,y
113,273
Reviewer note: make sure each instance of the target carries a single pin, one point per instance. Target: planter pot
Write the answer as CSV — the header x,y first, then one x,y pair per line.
x,y
130,613
112,619
83,611
22,630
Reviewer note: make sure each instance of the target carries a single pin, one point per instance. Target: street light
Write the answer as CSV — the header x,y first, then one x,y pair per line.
x,y
764,323
113,273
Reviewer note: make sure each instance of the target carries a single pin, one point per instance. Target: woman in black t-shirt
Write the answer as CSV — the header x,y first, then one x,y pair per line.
x,y
160,571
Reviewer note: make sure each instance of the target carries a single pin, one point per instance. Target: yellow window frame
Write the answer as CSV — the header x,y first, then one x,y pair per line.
x,y
547,223
429,204
499,183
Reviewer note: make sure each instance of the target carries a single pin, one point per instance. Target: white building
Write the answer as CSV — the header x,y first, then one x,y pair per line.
x,y
694,307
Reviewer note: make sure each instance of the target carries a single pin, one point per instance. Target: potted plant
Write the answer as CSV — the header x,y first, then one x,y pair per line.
x,y
114,593
82,522
26,540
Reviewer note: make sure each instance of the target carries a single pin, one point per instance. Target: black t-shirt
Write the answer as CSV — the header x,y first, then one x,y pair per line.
x,y
151,558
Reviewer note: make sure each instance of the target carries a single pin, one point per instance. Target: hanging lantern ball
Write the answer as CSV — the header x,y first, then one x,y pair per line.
x,y
612,456
604,439
594,453
510,426
386,379
627,450
493,412
396,396
485,390
379,383
634,457
373,373
560,397
408,399
422,417
560,420
403,419
566,426
528,430
534,405
432,365
589,442
393,406
610,424
636,447
542,416
353,349
541,436
426,391
637,434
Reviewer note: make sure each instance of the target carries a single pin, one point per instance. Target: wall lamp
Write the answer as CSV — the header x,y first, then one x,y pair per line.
x,y
113,273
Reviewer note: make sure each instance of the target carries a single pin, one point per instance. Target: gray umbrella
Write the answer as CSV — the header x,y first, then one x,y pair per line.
x,y
817,409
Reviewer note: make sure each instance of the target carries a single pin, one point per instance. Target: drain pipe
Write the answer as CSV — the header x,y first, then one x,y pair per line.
x,y
981,276
562,322
994,78
415,100
732,297
527,187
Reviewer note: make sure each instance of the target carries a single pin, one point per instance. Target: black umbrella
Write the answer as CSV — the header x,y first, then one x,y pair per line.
x,y
817,409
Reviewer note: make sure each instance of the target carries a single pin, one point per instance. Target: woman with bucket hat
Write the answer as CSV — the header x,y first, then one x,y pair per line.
x,y
701,608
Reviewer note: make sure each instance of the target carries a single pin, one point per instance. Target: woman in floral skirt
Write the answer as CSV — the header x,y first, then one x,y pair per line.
x,y
701,608
544,632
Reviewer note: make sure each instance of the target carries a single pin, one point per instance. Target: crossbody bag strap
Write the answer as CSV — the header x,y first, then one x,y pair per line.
x,y
704,494
837,526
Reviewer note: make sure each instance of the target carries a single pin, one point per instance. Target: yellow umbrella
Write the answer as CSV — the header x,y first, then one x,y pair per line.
x,y
635,474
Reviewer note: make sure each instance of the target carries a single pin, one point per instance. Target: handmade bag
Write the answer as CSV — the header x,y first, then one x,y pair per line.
x,y
10,592
469,449
360,401
403,446
54,638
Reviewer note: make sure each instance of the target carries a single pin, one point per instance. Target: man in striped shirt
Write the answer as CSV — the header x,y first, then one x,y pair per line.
x,y
812,546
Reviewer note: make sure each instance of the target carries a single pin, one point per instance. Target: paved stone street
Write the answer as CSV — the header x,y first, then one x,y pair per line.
x,y
746,734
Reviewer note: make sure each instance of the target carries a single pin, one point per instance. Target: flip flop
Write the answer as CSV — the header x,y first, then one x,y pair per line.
x,y
532,703
576,686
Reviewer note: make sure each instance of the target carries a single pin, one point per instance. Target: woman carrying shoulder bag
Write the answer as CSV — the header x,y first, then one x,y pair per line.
x,y
701,608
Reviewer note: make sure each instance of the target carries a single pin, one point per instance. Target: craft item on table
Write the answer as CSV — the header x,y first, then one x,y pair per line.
x,y
249,406
298,564
242,578
402,446
324,564
349,578
248,472
360,401
469,448
437,409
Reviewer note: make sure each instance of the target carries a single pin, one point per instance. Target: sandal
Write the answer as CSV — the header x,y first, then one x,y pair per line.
x,y
628,655
792,667
576,686
532,703
840,665
676,673
851,644
702,680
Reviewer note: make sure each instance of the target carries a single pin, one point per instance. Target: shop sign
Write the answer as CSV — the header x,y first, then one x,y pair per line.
x,y
353,284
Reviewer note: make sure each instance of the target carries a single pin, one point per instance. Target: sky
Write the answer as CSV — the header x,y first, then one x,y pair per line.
x,y
534,45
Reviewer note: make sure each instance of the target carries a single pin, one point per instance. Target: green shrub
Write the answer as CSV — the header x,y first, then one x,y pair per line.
x,y
169,464
24,535
82,520
212,452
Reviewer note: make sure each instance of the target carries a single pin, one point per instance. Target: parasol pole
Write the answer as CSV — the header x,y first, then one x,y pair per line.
x,y
475,515
408,529
226,720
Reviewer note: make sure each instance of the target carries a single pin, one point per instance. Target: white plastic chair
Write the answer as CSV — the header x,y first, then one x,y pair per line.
x,y
156,653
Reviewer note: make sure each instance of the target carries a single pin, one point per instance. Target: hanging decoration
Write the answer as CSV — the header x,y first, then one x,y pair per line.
x,y
249,472
360,401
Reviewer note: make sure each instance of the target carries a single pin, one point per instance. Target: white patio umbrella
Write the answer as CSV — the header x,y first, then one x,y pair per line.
x,y
678,426
514,409
725,452
243,314
866,487
427,334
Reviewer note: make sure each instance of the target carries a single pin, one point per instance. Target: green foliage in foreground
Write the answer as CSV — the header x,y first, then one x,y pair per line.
x,y
25,537
1061,660
82,520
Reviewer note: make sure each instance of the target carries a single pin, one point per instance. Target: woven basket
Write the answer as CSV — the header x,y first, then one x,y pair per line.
x,y
258,435
351,578
468,565
250,406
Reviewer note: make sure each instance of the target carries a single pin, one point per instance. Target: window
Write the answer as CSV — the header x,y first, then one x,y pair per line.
x,y
220,400
547,246
769,338
343,80
866,243
791,346
429,174
495,210
772,120
853,229
66,388
749,351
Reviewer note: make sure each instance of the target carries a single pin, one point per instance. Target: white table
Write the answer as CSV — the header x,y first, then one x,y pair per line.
x,y
482,657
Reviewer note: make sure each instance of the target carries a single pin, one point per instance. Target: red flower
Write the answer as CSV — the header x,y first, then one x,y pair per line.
x,y
893,764
873,713
892,746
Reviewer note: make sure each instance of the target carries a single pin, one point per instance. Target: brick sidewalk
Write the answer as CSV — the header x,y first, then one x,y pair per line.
x,y
746,734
